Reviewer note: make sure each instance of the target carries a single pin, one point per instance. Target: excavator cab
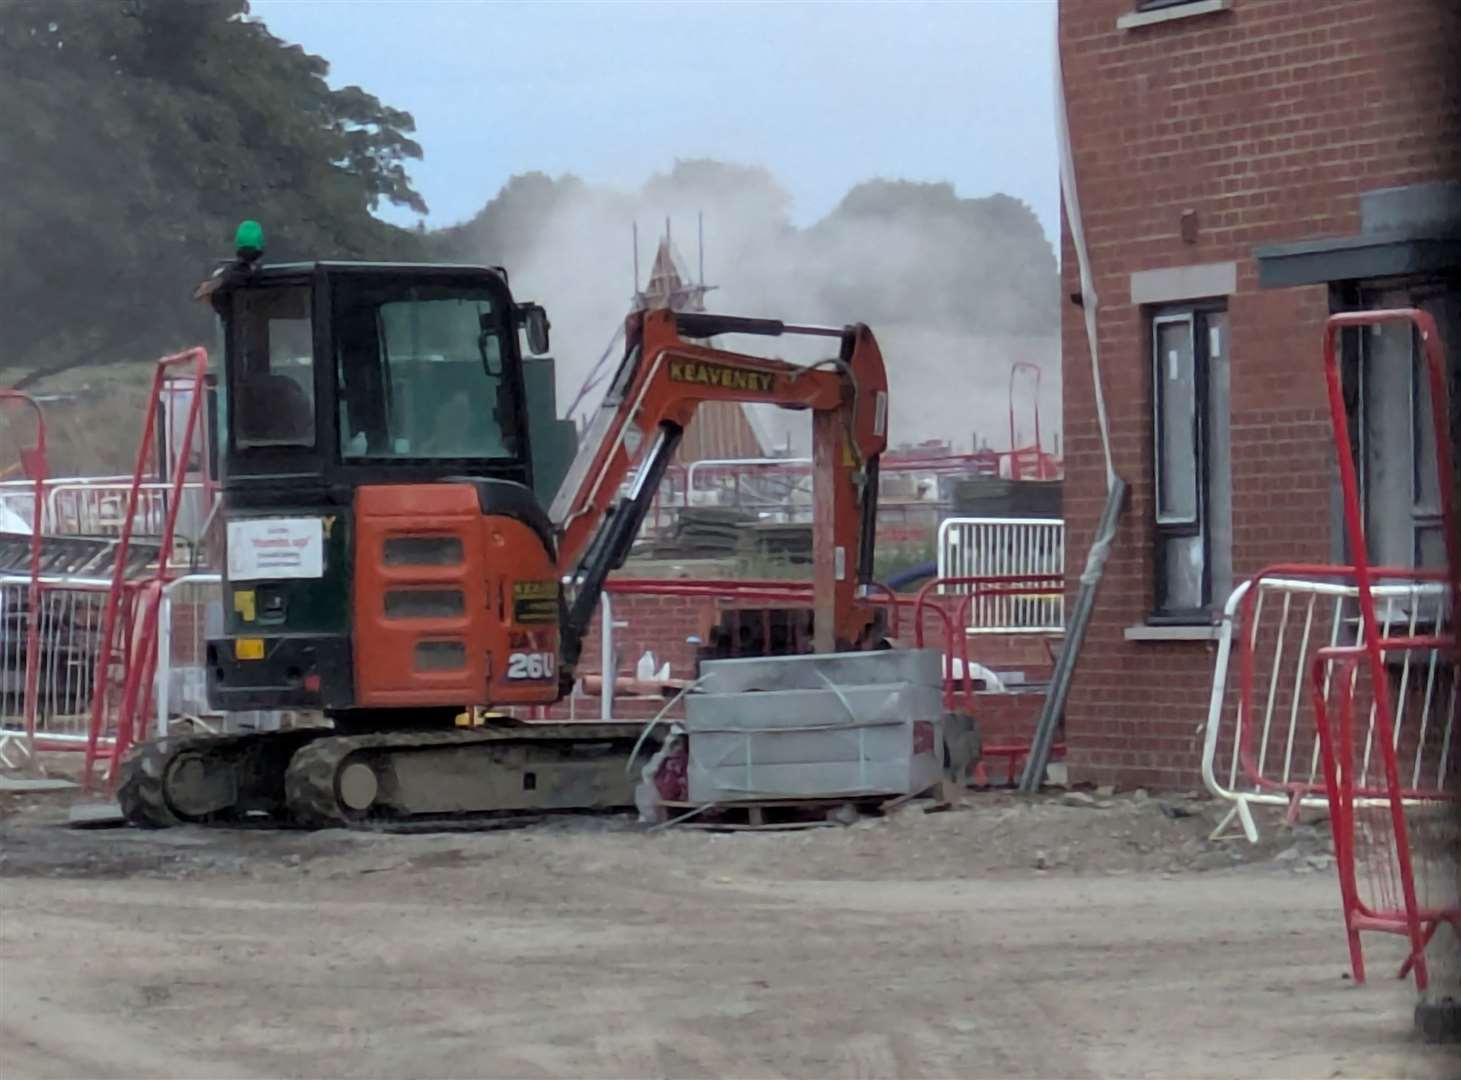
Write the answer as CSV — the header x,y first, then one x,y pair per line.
x,y
340,372
385,548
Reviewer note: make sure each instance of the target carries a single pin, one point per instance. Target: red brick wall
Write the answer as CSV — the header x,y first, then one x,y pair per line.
x,y
1269,120
660,624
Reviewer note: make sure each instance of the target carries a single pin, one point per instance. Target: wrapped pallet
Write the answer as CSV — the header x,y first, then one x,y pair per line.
x,y
810,727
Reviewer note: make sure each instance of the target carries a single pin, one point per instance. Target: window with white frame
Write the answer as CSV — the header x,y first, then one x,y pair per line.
x,y
1191,471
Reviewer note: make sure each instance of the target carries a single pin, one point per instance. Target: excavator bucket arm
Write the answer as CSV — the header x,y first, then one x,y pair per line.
x,y
662,380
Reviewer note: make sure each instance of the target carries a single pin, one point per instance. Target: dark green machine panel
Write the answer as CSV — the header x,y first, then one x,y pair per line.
x,y
554,441
302,605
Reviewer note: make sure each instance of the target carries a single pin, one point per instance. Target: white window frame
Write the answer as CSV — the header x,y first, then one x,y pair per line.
x,y
1189,319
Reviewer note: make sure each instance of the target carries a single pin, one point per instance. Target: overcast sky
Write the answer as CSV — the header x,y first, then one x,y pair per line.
x,y
823,94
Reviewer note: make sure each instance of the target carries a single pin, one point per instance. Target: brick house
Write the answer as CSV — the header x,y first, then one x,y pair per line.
x,y
1243,168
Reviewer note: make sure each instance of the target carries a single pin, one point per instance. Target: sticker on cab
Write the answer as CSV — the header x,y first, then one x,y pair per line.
x,y
535,602
263,549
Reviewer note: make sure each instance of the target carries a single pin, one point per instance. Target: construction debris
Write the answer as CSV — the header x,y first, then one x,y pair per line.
x,y
702,532
789,542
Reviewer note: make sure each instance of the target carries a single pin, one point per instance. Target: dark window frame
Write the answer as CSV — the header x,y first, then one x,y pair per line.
x,y
280,476
240,444
1365,295
1196,314
510,382
1158,5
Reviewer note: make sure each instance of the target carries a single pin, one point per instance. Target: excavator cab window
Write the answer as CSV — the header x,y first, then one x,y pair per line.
x,y
421,373
274,368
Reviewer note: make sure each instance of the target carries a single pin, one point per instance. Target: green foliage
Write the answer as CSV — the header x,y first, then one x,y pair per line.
x,y
890,560
762,566
373,142
139,133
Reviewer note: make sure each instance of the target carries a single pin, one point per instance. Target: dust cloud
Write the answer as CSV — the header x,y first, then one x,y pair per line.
x,y
955,289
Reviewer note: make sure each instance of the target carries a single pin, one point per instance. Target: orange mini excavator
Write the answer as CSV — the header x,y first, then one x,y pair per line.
x,y
390,565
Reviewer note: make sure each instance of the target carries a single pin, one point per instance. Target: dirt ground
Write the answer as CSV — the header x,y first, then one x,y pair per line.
x,y
1088,936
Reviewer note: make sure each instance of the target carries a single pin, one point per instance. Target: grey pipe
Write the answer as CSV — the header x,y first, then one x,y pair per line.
x,y
1075,636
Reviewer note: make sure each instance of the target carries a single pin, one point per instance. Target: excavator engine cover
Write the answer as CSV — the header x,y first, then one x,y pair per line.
x,y
456,596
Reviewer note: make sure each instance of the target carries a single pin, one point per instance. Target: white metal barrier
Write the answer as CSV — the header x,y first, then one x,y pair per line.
x,y
97,506
1260,746
70,631
983,547
17,497
90,508
17,508
191,612
780,488
70,634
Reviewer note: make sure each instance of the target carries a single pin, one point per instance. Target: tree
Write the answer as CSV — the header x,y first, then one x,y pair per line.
x,y
195,117
375,142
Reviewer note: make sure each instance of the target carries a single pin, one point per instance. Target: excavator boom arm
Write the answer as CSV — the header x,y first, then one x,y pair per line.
x,y
661,382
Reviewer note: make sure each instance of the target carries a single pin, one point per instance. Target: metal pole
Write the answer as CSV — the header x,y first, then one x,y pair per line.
x,y
163,675
1054,710
608,663
825,446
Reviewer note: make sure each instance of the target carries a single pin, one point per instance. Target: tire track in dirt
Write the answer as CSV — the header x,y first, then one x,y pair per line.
x,y
554,953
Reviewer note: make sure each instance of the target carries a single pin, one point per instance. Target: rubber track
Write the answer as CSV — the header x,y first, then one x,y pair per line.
x,y
142,793
309,785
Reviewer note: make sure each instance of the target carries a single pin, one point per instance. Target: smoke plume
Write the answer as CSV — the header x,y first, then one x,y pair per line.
x,y
956,290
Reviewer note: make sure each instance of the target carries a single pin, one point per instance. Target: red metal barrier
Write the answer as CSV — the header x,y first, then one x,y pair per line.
x,y
751,591
138,647
959,689
1408,916
1250,743
1029,462
934,597
1383,910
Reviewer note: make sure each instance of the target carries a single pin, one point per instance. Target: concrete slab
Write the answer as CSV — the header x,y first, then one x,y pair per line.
x,y
95,816
30,783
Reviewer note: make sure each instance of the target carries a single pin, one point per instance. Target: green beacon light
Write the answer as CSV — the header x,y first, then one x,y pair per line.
x,y
248,240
